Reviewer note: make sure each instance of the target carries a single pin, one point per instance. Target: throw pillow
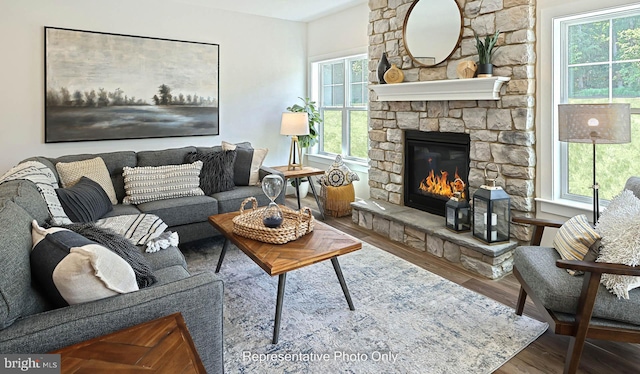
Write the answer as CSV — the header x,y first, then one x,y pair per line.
x,y
246,170
85,201
119,245
217,170
619,227
150,183
71,269
573,239
94,169
339,174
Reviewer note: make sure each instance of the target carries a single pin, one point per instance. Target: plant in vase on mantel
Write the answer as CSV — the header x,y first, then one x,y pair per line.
x,y
485,52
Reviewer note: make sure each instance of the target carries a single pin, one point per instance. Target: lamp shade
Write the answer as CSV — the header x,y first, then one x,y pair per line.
x,y
294,123
599,123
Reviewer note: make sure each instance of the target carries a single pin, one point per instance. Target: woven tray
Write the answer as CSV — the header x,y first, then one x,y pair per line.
x,y
294,225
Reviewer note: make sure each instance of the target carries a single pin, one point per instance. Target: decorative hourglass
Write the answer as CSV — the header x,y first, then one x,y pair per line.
x,y
272,187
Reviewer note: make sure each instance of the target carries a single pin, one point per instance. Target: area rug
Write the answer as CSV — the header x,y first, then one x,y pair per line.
x,y
407,320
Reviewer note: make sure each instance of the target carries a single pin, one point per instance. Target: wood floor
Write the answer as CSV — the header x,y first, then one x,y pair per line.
x,y
546,354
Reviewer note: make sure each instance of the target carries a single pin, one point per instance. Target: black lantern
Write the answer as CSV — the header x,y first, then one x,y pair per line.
x,y
457,211
491,212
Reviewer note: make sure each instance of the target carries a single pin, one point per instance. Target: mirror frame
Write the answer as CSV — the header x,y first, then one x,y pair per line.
x,y
404,35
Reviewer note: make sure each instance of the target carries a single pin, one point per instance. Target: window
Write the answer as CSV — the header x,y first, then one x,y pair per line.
x,y
343,96
597,60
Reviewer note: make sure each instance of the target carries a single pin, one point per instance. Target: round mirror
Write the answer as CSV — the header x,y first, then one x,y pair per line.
x,y
432,30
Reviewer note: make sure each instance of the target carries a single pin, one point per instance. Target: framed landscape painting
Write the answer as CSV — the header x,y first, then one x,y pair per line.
x,y
101,86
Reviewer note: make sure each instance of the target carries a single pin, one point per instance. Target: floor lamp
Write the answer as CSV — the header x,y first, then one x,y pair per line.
x,y
294,124
594,123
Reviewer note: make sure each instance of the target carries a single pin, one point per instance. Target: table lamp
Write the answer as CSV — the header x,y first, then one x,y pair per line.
x,y
594,123
294,124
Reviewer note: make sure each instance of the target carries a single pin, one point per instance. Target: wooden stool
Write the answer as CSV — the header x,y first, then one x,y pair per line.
x,y
337,200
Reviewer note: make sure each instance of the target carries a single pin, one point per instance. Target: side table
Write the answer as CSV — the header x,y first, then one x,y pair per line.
x,y
163,345
297,174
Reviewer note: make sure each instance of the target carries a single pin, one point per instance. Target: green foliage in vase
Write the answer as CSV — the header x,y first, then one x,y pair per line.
x,y
314,119
485,49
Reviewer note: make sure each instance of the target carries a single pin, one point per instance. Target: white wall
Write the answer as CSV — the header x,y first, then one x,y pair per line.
x,y
262,70
338,35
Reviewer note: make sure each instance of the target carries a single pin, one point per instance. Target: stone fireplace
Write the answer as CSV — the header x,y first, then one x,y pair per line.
x,y
437,165
500,126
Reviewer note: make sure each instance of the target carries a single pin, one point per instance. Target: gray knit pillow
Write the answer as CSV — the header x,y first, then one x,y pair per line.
x,y
151,183
217,170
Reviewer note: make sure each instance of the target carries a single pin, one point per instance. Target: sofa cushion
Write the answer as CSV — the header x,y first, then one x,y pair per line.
x,y
164,258
246,170
152,183
122,210
171,274
85,201
95,169
559,291
114,161
19,297
26,195
229,201
72,269
171,156
217,170
182,210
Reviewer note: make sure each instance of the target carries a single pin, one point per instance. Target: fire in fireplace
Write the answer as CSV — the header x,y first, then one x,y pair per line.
x,y
436,165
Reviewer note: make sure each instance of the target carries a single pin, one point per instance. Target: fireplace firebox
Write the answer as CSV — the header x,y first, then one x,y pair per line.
x,y
436,165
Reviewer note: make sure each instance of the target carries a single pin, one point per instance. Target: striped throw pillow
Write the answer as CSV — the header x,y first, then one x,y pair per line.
x,y
573,239
150,183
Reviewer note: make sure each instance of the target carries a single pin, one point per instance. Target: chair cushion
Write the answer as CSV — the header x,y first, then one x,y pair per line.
x,y
559,291
182,210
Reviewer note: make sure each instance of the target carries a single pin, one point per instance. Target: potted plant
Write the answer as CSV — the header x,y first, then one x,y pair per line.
x,y
485,51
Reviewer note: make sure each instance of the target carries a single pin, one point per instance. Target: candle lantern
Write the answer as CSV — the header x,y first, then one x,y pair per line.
x,y
491,212
457,211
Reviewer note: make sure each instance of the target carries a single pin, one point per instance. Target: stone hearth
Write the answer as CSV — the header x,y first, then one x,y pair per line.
x,y
425,232
501,128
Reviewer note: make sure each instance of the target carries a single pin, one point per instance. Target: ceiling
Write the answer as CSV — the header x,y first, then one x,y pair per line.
x,y
293,10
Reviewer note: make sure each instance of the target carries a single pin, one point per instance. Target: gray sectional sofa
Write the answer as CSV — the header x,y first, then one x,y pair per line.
x,y
28,322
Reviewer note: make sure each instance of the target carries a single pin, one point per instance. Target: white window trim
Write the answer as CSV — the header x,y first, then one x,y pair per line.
x,y
312,153
549,202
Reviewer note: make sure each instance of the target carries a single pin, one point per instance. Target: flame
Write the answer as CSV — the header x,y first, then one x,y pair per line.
x,y
440,185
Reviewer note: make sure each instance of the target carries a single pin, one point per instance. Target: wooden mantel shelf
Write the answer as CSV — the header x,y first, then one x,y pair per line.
x,y
441,90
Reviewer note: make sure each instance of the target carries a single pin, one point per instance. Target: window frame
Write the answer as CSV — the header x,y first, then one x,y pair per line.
x,y
558,193
346,108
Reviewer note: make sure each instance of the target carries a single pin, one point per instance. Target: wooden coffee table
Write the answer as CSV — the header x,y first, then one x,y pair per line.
x,y
323,243
159,346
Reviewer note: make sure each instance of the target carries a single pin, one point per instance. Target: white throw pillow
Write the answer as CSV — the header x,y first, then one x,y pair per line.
x,y
619,227
150,183
94,169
